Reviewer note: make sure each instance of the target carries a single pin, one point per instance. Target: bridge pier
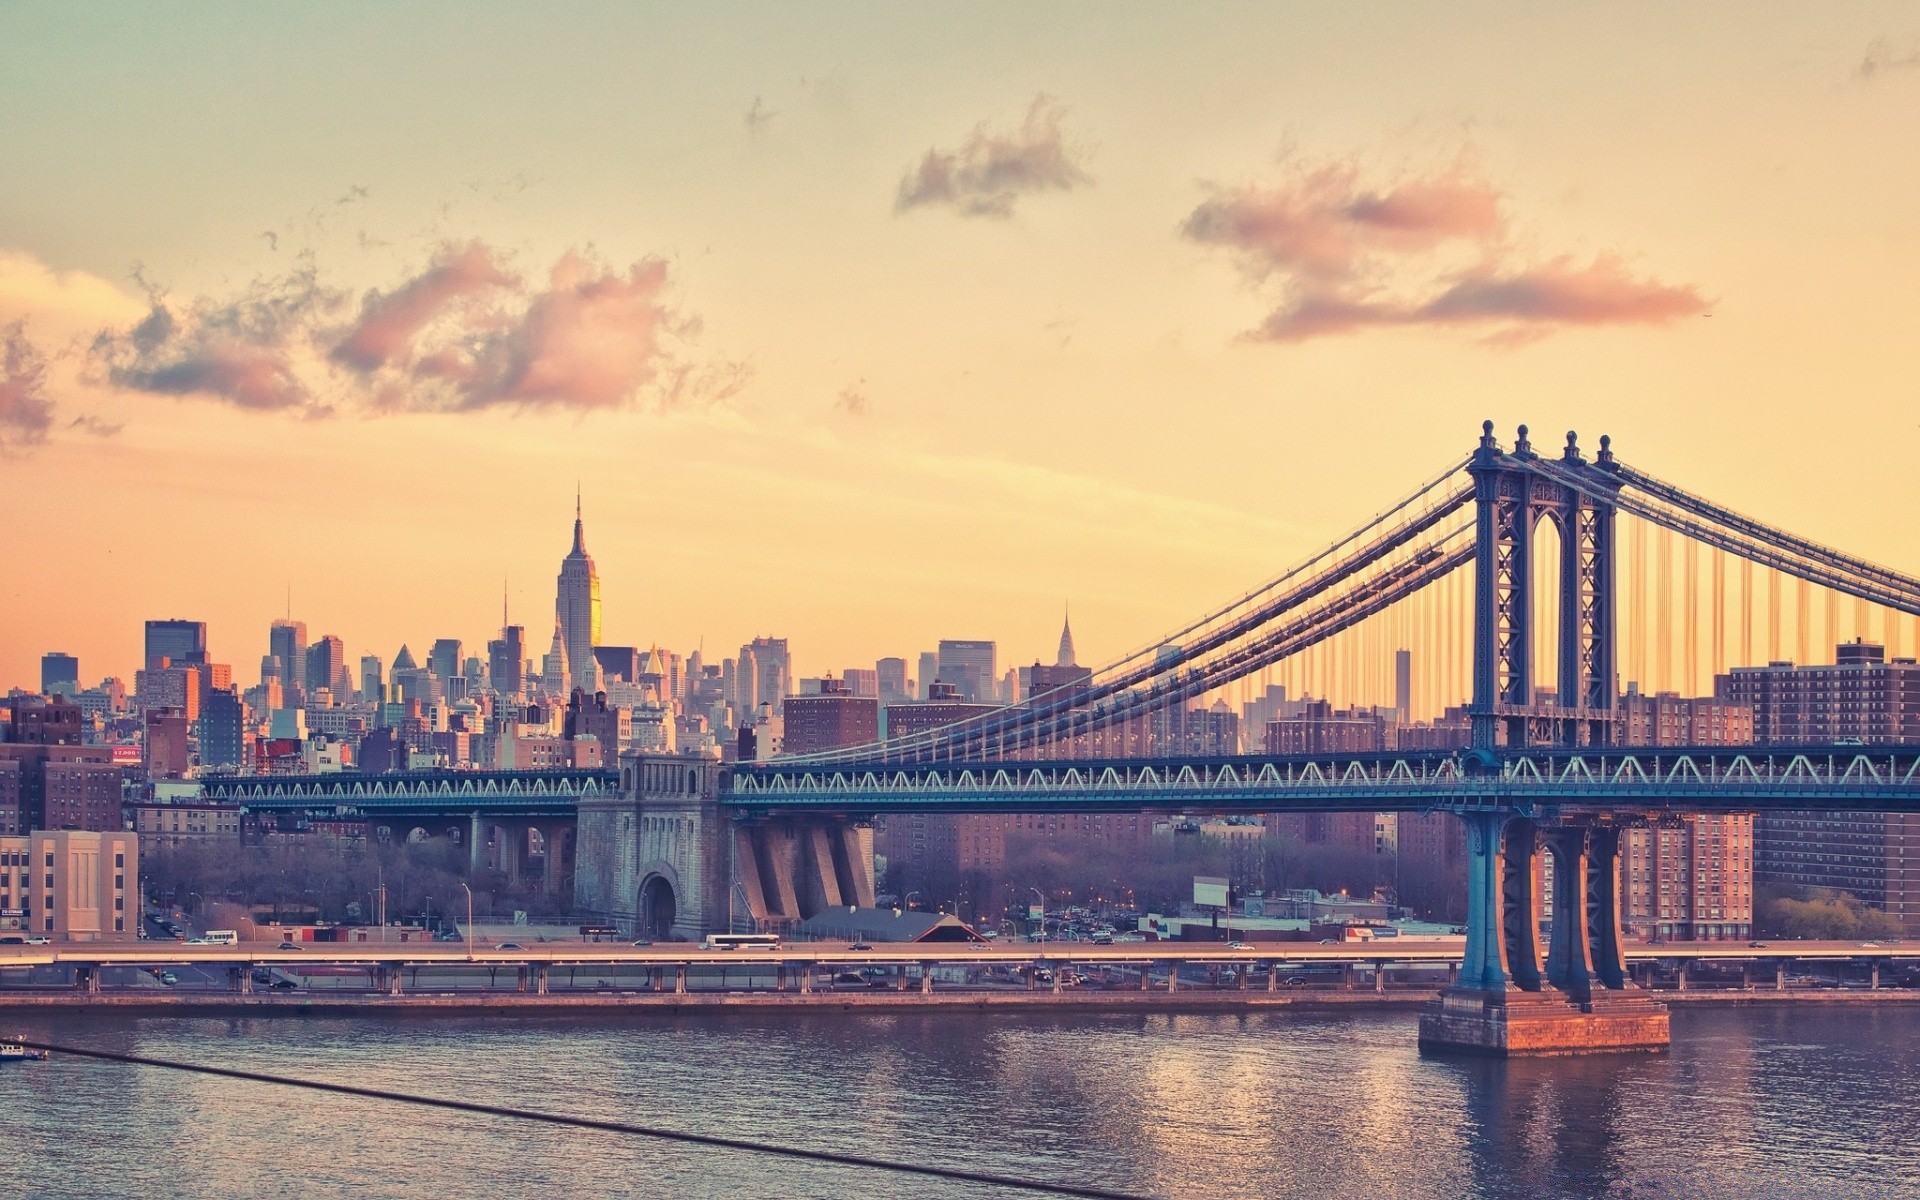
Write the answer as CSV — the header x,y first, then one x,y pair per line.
x,y
1506,1001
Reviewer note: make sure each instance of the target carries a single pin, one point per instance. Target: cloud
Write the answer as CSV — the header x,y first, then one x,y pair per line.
x,y
464,333
242,350
1320,223
26,412
1426,249
389,322
592,339
991,171
60,304
1882,57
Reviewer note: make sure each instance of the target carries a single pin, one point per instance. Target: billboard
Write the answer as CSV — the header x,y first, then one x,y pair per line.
x,y
1209,891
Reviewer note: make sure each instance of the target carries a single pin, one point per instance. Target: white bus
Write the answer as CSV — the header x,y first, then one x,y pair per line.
x,y
222,937
741,941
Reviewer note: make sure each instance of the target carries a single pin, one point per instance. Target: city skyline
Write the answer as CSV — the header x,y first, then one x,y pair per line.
x,y
1005,455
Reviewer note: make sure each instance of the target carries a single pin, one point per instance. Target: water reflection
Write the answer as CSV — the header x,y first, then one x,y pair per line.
x,y
1777,1103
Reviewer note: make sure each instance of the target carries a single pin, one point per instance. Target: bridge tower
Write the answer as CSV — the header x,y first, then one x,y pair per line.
x,y
1511,998
1511,502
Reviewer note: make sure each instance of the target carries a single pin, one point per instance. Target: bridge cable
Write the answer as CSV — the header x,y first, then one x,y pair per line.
x,y
959,1174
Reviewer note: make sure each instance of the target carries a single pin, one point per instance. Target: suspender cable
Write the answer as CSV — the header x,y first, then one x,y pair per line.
x,y
1663,579
1773,616
1690,678
1803,619
1719,613
1746,613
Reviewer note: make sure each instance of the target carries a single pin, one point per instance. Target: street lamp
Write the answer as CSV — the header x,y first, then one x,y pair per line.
x,y
908,902
1043,911
469,892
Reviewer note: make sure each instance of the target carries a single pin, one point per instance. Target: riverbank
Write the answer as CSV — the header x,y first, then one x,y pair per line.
x,y
670,1003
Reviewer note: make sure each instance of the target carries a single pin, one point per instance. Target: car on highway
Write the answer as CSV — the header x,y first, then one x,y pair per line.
x,y
1239,945
643,941
509,946
859,946
1756,945
286,946
1863,945
169,978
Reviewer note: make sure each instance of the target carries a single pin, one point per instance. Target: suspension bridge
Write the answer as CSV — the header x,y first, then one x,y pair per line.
x,y
1519,555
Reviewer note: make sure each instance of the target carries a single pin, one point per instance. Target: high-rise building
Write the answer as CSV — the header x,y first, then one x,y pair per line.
x,y
618,662
287,646
969,666
48,780
764,675
177,642
832,719
577,605
169,745
59,675
862,681
444,659
222,729
554,676
1860,700
505,656
929,675
373,679
1064,673
1690,878
327,667
890,675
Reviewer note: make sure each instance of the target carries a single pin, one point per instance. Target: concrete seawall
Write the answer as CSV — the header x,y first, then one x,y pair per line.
x,y
668,1003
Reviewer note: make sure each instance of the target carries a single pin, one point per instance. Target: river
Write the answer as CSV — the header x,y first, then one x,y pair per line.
x,y
1781,1102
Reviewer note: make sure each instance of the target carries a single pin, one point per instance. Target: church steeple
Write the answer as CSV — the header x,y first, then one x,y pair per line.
x,y
1066,641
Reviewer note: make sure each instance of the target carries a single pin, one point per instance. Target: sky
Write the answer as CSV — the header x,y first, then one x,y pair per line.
x,y
868,325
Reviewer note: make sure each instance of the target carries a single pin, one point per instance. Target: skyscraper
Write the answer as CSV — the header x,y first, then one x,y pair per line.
x,y
444,659
287,646
578,604
969,667
181,643
59,675
327,667
505,657
891,675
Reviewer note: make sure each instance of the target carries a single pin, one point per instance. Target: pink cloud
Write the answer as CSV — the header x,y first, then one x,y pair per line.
x,y
1530,302
1320,224
26,413
591,340
1347,257
389,322
1601,293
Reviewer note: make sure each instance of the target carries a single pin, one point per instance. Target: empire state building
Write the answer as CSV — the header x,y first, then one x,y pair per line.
x,y
578,606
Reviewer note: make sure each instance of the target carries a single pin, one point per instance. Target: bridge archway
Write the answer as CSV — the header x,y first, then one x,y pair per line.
x,y
659,904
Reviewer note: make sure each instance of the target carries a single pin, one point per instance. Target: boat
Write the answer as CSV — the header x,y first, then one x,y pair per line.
x,y
15,1052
